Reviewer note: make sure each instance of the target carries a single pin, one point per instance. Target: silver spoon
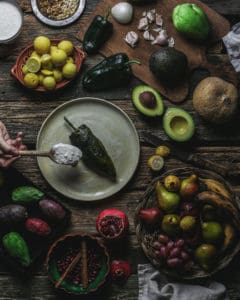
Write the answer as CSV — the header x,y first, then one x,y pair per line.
x,y
64,154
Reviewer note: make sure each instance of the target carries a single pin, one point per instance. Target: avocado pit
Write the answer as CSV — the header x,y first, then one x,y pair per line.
x,y
148,100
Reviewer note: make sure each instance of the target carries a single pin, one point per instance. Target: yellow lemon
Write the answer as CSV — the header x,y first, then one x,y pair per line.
x,y
40,78
45,59
52,48
57,75
34,54
66,46
31,80
42,44
70,59
49,83
59,57
25,69
69,70
33,64
46,72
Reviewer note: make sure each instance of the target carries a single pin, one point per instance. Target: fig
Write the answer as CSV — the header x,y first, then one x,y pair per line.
x,y
151,216
120,270
16,247
37,226
172,183
26,194
170,224
12,214
52,210
188,223
212,232
206,255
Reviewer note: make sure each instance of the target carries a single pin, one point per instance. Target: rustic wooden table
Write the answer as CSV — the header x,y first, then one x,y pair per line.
x,y
23,110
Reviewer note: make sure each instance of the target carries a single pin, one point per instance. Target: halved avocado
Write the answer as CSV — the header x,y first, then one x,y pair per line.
x,y
147,101
178,124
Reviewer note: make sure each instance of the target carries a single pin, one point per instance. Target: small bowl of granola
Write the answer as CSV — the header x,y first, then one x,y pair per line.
x,y
58,13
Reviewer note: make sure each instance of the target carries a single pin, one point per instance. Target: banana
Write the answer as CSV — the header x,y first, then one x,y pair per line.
x,y
218,200
229,233
217,187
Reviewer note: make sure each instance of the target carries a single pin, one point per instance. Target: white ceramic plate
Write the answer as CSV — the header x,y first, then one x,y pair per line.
x,y
112,126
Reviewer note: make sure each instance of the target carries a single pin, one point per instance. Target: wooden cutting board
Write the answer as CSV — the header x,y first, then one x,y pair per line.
x,y
196,53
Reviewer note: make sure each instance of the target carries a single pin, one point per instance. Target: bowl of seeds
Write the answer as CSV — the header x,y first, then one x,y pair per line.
x,y
78,264
58,13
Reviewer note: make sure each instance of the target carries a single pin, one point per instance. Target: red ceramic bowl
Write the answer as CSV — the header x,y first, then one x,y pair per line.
x,y
16,71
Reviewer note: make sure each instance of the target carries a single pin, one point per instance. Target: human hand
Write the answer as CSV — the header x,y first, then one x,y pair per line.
x,y
9,146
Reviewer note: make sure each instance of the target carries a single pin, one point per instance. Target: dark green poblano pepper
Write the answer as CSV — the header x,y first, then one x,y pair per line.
x,y
97,33
113,71
26,194
16,247
95,155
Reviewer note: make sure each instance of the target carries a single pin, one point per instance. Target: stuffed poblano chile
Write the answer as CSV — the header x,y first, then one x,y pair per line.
x,y
95,155
113,71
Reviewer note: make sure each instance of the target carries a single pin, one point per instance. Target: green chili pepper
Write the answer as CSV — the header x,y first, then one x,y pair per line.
x,y
97,33
113,71
95,155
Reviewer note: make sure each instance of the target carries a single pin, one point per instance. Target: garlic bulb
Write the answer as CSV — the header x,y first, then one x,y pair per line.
x,y
122,12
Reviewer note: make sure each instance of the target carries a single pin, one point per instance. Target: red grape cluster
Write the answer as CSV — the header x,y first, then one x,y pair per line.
x,y
174,254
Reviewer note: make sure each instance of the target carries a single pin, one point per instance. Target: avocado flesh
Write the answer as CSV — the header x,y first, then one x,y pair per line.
x,y
169,65
149,112
178,124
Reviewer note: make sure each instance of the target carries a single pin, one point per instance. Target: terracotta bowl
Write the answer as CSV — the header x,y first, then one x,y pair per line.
x,y
97,255
16,71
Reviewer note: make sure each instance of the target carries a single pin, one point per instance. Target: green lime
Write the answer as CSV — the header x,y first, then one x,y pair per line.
x,y
70,60
46,72
33,64
59,57
31,80
69,70
49,83
25,69
42,44
66,46
57,75
45,59
191,21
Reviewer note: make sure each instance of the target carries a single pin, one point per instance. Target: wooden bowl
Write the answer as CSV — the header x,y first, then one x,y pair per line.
x,y
143,233
61,248
16,71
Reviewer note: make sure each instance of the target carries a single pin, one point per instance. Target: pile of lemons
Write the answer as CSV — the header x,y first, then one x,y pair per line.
x,y
49,64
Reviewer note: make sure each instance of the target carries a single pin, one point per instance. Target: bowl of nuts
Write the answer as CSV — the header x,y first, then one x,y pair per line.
x,y
78,264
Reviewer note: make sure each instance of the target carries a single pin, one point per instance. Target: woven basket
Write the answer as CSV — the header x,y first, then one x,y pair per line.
x,y
149,200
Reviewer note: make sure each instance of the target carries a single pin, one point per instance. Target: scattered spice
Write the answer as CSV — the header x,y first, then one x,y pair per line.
x,y
58,9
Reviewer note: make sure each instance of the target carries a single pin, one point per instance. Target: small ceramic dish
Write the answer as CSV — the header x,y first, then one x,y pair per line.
x,y
16,71
63,251
58,23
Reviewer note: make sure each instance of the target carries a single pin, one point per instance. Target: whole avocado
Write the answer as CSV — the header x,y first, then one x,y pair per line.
x,y
191,21
169,65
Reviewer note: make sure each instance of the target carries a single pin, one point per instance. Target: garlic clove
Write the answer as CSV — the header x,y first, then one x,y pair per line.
x,y
171,42
159,20
122,12
161,39
158,29
131,39
143,24
151,16
148,36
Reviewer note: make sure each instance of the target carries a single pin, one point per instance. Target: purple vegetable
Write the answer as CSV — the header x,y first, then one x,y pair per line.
x,y
52,209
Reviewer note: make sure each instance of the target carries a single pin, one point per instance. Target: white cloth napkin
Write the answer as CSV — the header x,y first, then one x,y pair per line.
x,y
232,44
155,286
